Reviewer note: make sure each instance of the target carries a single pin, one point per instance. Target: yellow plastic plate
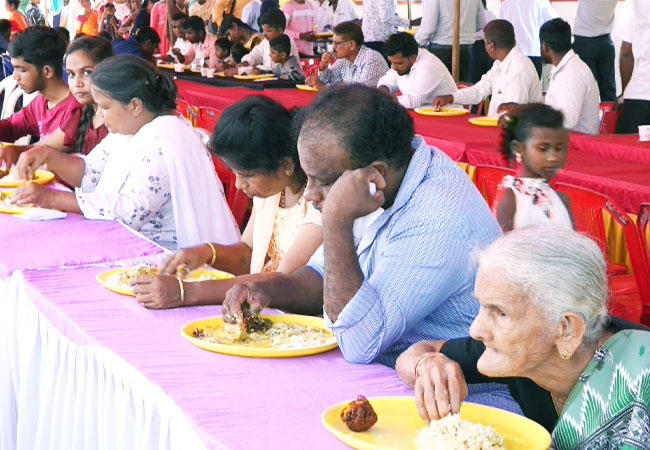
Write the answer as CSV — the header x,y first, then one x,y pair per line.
x,y
40,177
166,66
221,74
323,35
109,278
429,111
260,352
398,423
253,77
304,87
484,121
269,78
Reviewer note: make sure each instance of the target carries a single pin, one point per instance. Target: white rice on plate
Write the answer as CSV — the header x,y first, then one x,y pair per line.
x,y
453,433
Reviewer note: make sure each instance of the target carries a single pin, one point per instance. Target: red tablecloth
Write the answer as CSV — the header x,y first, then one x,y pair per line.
x,y
618,166
621,147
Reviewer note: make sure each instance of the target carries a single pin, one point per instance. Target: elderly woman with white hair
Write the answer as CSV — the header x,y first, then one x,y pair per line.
x,y
543,329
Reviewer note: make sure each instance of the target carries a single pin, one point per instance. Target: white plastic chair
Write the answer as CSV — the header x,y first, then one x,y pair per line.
x,y
11,100
7,85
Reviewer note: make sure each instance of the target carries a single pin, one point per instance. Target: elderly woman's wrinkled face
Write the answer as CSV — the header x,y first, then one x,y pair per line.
x,y
515,332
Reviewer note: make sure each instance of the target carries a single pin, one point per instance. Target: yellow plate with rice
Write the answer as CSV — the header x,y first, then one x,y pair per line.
x,y
398,424
118,280
253,77
304,87
291,335
484,121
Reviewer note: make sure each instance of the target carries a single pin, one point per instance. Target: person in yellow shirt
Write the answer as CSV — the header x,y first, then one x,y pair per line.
x,y
231,7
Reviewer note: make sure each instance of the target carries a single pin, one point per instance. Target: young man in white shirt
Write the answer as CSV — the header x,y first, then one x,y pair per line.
x,y
573,88
436,30
415,72
512,78
273,23
527,17
593,44
635,66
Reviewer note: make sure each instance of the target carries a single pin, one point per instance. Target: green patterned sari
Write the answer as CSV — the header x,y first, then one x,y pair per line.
x,y
609,408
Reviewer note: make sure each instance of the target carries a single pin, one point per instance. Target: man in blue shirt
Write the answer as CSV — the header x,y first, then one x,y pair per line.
x,y
144,45
396,265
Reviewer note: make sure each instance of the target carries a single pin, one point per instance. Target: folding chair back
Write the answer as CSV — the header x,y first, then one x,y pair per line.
x,y
208,118
608,118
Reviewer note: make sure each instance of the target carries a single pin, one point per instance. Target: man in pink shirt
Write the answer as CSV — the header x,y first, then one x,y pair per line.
x,y
301,22
202,44
37,57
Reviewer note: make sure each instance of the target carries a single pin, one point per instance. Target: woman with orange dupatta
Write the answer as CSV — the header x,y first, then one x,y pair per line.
x,y
18,21
88,22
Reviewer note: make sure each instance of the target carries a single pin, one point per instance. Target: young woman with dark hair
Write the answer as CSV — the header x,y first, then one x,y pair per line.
x,y
151,172
254,137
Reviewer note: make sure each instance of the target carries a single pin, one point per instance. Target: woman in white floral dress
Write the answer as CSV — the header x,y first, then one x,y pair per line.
x,y
151,172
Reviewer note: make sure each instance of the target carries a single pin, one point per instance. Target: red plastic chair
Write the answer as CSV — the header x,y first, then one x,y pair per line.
x,y
643,227
306,67
208,118
182,107
609,115
488,178
237,201
628,292
474,109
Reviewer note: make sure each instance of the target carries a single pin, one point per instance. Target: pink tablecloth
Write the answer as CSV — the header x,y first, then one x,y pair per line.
x,y
233,402
71,241
618,147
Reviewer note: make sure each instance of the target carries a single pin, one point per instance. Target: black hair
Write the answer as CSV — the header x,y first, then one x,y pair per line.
x,y
223,43
350,30
256,135
180,16
556,34
402,43
145,34
5,27
273,18
229,21
109,5
367,123
145,4
238,51
501,33
267,5
97,50
64,33
105,35
40,47
281,44
14,3
124,78
522,123
195,24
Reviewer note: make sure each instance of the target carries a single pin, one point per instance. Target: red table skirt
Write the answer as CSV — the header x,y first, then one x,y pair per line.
x,y
618,166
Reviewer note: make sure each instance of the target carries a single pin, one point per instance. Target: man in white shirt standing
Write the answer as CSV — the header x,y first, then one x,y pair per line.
x,y
250,15
416,73
333,12
512,78
573,89
436,30
527,17
593,44
635,66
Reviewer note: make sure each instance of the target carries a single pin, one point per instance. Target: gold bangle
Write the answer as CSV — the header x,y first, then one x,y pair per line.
x,y
214,254
182,288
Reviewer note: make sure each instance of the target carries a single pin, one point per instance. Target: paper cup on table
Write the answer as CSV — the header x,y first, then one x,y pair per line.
x,y
204,71
644,133
244,70
209,73
178,67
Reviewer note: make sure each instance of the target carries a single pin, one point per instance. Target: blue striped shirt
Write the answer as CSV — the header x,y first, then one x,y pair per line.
x,y
417,258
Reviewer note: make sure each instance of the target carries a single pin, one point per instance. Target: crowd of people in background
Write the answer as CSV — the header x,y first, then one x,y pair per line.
x,y
399,274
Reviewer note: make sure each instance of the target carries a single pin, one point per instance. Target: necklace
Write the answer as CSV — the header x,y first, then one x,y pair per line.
x,y
283,199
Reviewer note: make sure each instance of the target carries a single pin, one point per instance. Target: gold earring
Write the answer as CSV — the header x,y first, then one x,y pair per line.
x,y
288,172
565,355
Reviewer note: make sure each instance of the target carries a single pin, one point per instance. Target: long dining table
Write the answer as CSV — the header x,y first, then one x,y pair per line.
x,y
82,367
618,166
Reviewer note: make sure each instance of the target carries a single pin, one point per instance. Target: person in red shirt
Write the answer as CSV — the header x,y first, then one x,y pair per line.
x,y
37,57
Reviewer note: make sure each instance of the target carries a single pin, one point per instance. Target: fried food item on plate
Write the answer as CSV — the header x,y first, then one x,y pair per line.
x,y
359,414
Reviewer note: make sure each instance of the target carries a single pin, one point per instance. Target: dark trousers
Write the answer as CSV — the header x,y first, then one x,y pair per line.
x,y
479,62
635,113
537,62
443,52
598,53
